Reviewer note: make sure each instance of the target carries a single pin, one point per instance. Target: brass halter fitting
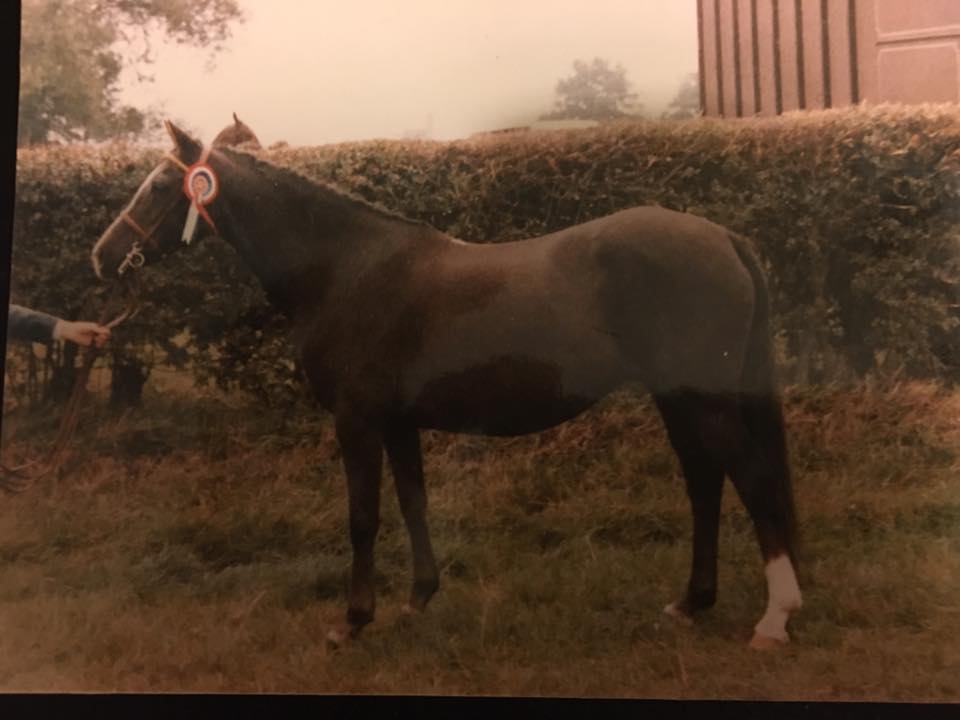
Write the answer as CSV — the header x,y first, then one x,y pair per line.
x,y
134,259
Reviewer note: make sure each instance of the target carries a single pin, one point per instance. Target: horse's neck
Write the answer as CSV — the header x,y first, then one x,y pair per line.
x,y
298,242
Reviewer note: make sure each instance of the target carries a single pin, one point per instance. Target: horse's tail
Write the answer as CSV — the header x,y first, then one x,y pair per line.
x,y
760,400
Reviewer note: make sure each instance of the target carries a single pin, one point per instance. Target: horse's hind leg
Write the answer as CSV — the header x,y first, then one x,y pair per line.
x,y
745,439
704,481
760,477
403,450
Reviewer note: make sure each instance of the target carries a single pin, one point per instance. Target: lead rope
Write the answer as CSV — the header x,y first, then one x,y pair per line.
x,y
22,477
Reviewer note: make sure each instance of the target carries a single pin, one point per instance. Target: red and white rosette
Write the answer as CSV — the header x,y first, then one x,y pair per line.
x,y
201,185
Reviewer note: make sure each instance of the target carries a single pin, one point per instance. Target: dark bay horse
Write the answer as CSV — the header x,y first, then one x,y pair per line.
x,y
238,135
400,327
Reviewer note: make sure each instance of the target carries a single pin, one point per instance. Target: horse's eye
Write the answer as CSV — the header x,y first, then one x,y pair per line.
x,y
160,184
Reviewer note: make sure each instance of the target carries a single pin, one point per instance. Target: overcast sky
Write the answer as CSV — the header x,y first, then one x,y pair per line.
x,y
317,71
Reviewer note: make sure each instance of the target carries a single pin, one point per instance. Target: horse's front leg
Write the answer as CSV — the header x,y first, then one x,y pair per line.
x,y
362,448
403,450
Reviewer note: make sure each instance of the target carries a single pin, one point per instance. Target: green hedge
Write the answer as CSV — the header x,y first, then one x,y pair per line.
x,y
856,214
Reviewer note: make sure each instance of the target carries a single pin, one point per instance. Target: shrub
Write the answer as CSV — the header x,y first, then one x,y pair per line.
x,y
854,212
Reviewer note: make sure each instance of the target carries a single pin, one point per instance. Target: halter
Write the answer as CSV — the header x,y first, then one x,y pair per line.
x,y
200,185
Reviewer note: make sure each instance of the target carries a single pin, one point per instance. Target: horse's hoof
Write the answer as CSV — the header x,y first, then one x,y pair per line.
x,y
766,643
676,611
406,616
338,637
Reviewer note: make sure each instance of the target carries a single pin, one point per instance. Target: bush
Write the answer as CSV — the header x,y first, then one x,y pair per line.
x,y
854,212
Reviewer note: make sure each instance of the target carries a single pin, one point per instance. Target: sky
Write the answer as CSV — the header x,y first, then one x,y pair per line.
x,y
311,72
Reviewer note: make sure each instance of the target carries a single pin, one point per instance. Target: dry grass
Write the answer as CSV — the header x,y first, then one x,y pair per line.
x,y
202,547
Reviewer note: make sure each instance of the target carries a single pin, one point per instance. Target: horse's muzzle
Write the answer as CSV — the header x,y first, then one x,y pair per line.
x,y
110,253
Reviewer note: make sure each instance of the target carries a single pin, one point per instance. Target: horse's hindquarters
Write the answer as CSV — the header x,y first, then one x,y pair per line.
x,y
680,307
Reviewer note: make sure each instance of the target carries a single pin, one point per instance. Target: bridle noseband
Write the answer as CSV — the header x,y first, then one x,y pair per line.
x,y
200,185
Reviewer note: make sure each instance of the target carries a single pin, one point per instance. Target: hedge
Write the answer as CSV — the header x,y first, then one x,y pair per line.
x,y
856,214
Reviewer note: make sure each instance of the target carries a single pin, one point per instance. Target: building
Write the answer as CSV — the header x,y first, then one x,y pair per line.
x,y
765,57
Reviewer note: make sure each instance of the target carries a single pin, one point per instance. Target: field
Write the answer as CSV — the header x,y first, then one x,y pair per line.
x,y
200,545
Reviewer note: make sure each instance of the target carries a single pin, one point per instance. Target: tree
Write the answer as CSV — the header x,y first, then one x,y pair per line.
x,y
73,52
686,103
595,91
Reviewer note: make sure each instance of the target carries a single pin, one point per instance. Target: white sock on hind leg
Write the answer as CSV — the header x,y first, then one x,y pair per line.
x,y
784,598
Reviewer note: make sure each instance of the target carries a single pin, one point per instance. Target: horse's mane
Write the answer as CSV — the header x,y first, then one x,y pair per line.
x,y
312,189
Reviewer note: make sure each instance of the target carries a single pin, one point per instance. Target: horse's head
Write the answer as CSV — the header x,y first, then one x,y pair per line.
x,y
168,210
238,135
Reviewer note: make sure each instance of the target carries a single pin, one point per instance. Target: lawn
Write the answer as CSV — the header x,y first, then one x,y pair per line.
x,y
200,544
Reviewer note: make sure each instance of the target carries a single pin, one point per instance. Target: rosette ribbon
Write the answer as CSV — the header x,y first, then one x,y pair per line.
x,y
201,185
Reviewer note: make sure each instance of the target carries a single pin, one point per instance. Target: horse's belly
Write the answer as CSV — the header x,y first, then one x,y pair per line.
x,y
506,396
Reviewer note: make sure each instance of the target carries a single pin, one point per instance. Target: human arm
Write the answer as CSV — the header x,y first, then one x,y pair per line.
x,y
33,326
29,325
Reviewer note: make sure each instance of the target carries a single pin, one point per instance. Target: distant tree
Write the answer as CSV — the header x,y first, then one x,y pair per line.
x,y
73,52
595,91
686,103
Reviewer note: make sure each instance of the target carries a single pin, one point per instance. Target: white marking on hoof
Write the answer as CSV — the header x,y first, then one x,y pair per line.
x,y
407,615
784,598
674,611
337,637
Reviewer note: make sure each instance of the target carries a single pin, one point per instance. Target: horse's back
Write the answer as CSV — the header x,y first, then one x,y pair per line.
x,y
658,237
643,295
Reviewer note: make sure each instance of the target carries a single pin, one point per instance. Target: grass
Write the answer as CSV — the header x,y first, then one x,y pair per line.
x,y
201,545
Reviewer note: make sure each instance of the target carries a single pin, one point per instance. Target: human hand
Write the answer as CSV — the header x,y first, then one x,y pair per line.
x,y
82,333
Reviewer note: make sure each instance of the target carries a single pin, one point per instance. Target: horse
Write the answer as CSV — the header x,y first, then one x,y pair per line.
x,y
400,327
238,135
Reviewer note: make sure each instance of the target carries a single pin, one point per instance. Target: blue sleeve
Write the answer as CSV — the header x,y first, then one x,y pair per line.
x,y
29,325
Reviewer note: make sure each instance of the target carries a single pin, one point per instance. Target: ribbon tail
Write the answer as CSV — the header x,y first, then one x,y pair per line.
x,y
206,216
190,226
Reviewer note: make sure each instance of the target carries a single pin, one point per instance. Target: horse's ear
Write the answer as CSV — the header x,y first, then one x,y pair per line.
x,y
236,119
187,147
